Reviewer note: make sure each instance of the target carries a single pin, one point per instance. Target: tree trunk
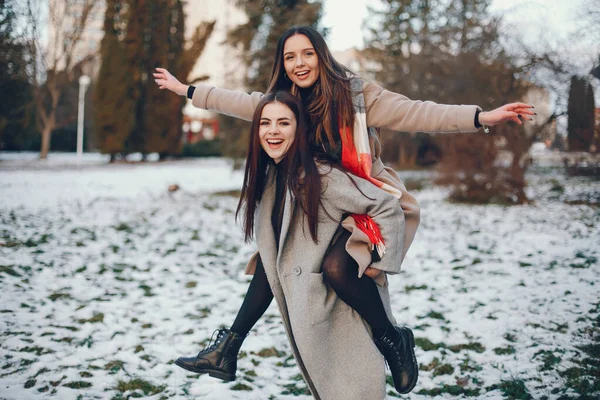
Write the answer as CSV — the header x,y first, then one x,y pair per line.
x,y
46,136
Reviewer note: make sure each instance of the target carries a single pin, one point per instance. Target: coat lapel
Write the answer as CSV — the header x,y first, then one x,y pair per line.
x,y
265,236
288,211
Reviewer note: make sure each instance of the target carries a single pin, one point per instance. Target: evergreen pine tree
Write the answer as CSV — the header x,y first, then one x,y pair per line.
x,y
113,112
580,125
16,123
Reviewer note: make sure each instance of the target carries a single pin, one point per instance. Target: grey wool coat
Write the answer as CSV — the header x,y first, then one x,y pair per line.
x,y
332,344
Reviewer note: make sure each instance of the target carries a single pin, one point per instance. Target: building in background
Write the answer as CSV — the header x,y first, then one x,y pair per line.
x,y
222,63
65,15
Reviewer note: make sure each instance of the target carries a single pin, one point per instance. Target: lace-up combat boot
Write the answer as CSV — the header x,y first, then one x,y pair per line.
x,y
219,359
398,351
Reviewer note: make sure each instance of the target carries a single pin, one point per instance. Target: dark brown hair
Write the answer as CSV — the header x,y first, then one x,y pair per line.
x,y
303,178
330,97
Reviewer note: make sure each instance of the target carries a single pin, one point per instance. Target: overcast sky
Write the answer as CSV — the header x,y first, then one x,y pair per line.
x,y
532,18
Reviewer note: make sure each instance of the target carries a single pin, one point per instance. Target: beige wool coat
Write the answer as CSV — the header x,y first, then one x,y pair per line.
x,y
384,109
330,341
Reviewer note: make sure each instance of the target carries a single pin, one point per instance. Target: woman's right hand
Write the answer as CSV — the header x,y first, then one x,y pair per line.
x,y
165,80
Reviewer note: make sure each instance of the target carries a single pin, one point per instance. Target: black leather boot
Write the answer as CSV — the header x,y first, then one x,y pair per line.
x,y
400,356
219,359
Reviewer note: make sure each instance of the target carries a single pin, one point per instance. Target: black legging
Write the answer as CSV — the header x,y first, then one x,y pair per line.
x,y
340,272
256,302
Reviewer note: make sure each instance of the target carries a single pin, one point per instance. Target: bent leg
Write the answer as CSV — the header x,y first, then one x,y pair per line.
x,y
396,344
340,271
219,359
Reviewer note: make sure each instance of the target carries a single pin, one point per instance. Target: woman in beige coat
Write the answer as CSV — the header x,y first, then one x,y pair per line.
x,y
333,96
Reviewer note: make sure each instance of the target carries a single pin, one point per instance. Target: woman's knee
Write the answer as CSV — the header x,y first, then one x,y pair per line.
x,y
335,269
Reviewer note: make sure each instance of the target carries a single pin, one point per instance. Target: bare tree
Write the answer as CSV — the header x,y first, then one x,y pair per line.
x,y
55,55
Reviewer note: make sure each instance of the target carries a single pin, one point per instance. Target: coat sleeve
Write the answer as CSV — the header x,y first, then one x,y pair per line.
x,y
394,111
234,103
349,194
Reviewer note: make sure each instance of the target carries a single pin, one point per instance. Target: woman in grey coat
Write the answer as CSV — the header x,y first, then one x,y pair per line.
x,y
294,206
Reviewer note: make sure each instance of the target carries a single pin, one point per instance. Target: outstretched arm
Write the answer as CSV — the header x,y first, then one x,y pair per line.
x,y
234,103
386,109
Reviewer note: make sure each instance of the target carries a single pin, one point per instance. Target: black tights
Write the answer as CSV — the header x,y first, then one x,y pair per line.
x,y
340,272
256,302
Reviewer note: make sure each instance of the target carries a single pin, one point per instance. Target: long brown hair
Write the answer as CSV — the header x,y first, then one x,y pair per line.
x,y
303,178
329,102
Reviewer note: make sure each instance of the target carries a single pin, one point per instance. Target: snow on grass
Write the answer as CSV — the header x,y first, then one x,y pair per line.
x,y
106,278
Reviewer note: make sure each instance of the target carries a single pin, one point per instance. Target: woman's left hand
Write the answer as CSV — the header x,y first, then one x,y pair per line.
x,y
372,272
516,112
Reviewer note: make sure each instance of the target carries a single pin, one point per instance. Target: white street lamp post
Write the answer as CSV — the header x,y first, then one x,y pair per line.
x,y
84,81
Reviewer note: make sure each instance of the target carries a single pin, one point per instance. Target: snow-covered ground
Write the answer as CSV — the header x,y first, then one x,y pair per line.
x,y
106,278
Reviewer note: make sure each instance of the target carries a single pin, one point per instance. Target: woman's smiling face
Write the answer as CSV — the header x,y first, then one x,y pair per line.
x,y
277,130
300,61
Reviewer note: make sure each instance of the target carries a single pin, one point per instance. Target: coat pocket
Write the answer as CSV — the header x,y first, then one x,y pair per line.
x,y
323,300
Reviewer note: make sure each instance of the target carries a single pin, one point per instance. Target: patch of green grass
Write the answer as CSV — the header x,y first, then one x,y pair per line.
x,y
147,290
78,384
41,371
37,350
524,264
468,365
147,388
56,296
270,352
434,363
295,390
191,284
443,369
514,389
86,374
409,289
114,366
241,386
453,390
7,269
509,337
30,383
428,345
548,359
34,242
473,346
98,317
434,315
503,351
67,339
123,227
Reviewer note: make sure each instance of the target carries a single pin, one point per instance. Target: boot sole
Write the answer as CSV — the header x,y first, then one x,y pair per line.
x,y
411,338
211,372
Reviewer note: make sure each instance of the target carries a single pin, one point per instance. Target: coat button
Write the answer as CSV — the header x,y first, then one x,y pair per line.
x,y
297,271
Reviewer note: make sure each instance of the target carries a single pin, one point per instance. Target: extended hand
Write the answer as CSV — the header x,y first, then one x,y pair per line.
x,y
165,80
516,112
